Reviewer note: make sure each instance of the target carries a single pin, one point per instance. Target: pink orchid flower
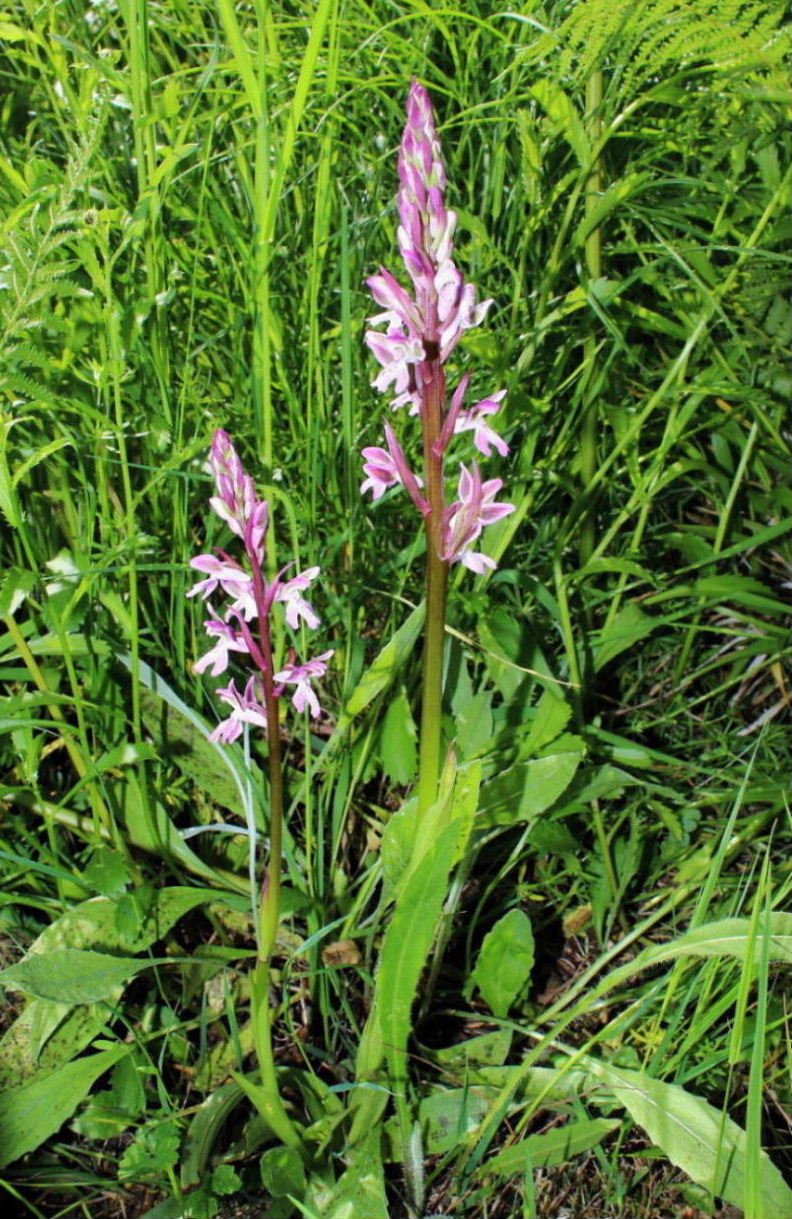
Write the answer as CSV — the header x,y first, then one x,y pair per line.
x,y
301,676
246,708
465,519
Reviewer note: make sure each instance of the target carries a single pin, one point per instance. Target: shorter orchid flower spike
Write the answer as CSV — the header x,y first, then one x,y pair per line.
x,y
251,596
301,676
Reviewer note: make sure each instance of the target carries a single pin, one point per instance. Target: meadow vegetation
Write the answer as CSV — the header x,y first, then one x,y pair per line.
x,y
565,990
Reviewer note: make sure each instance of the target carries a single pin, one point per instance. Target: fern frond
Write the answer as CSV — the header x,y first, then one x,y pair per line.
x,y
651,40
19,386
27,355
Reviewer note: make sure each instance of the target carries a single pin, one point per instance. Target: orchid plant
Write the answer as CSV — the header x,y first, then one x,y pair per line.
x,y
419,329
422,328
413,339
245,631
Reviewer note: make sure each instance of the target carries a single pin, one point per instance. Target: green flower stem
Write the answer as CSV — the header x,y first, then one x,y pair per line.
x,y
272,1108
271,889
436,591
431,710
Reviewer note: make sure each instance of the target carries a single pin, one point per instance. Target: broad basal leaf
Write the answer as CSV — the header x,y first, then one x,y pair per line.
x,y
703,1142
71,975
31,1113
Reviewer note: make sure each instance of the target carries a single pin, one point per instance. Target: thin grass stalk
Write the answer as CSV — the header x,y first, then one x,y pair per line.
x,y
589,428
116,364
349,486
324,205
724,520
145,142
78,761
588,436
267,200
261,373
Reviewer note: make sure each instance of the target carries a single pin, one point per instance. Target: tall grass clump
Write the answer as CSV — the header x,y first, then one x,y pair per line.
x,y
502,925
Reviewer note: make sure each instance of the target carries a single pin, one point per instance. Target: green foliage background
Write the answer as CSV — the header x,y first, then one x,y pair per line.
x,y
191,198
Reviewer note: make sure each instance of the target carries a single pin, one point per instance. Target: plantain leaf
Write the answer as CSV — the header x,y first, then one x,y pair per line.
x,y
555,1146
552,716
505,962
398,748
450,1115
282,1172
486,1050
47,1033
71,975
42,1038
528,788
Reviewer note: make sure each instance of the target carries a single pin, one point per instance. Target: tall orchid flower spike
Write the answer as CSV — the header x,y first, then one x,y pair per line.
x,y
418,328
423,326
420,325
